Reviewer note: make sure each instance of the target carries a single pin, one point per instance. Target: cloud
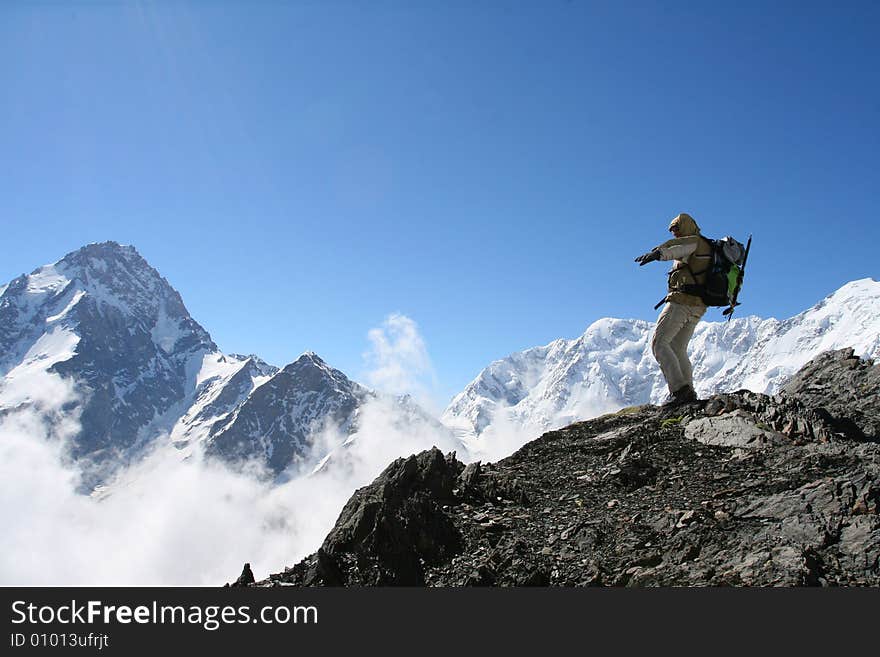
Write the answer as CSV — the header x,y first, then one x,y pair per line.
x,y
511,427
166,521
163,521
398,361
504,434
387,429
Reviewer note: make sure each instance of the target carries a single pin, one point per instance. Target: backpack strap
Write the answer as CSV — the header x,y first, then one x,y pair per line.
x,y
694,274
695,288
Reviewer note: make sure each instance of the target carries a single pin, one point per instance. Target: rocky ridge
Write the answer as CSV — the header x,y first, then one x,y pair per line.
x,y
741,489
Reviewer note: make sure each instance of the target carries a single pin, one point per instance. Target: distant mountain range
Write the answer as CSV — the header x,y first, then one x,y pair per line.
x,y
611,365
141,369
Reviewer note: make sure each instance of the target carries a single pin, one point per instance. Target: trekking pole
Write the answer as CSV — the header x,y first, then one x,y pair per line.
x,y
739,280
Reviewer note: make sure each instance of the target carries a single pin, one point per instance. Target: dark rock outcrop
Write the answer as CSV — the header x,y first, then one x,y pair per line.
x,y
845,386
389,531
246,578
738,490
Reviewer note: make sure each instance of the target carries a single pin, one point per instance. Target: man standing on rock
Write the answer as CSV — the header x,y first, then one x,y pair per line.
x,y
684,307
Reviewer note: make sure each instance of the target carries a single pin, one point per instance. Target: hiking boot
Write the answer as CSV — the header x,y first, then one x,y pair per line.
x,y
683,395
687,394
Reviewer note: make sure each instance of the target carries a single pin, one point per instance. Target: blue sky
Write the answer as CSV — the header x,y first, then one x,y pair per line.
x,y
299,171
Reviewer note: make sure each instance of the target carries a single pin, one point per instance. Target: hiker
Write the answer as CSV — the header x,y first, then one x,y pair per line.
x,y
675,326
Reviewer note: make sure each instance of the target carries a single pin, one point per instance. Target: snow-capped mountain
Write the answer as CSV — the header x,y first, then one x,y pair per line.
x,y
101,342
106,321
611,365
277,422
223,383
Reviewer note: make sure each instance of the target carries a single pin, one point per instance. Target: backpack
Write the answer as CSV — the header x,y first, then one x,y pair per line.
x,y
725,273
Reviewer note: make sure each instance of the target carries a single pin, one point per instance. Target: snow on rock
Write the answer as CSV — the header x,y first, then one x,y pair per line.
x,y
167,330
46,280
222,384
279,420
19,385
77,295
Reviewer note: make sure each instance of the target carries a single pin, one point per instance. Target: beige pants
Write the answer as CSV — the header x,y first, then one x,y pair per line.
x,y
675,326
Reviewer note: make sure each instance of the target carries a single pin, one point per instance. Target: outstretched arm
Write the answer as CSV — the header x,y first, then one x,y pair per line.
x,y
679,248
650,256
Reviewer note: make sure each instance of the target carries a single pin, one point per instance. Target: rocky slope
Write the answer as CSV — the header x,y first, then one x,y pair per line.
x,y
742,489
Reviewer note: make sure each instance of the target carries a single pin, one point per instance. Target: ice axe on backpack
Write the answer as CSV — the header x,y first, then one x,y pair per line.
x,y
742,270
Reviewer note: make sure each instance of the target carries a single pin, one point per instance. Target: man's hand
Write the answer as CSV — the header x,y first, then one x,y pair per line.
x,y
651,256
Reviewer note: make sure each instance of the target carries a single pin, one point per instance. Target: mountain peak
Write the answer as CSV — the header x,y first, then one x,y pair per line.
x,y
99,254
309,358
257,363
863,287
108,247
110,274
276,422
309,372
104,319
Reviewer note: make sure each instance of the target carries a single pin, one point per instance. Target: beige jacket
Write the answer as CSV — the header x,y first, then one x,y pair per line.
x,y
692,256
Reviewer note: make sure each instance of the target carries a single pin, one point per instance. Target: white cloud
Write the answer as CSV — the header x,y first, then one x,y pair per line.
x,y
505,434
167,521
386,431
398,361
163,521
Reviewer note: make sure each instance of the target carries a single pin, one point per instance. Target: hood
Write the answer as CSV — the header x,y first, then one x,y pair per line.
x,y
686,224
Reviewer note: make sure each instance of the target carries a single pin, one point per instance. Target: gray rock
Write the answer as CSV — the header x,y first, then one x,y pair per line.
x,y
735,429
246,578
860,542
843,385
